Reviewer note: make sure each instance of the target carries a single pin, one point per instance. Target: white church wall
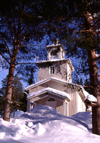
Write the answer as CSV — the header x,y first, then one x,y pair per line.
x,y
62,70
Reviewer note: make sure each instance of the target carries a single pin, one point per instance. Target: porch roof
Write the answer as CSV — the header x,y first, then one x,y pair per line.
x,y
49,90
85,95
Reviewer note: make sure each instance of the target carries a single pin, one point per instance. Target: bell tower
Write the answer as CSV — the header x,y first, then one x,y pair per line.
x,y
56,65
55,52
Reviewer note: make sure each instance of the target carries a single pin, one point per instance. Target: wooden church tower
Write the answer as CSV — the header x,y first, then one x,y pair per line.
x,y
56,65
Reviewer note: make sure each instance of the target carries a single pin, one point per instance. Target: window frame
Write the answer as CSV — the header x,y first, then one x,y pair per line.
x,y
52,70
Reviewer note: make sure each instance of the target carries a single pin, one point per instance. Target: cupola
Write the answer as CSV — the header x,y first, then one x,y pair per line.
x,y
55,51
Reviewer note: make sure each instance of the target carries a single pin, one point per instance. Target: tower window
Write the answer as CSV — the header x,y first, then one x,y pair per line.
x,y
52,70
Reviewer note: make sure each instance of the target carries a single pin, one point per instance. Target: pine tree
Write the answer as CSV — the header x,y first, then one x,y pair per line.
x,y
1,105
20,24
18,98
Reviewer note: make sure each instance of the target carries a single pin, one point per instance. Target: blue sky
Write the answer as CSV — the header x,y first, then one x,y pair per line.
x,y
3,74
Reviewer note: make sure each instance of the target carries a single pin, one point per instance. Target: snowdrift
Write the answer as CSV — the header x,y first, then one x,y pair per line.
x,y
44,124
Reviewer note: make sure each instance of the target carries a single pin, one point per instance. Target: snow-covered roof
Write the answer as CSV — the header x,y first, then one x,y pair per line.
x,y
97,55
49,90
57,60
52,60
48,79
55,45
88,96
84,93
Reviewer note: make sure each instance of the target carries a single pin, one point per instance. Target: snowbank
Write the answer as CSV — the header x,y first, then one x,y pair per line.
x,y
44,124
16,113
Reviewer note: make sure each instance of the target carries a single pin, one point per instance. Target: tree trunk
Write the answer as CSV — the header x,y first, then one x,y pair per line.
x,y
94,81
6,115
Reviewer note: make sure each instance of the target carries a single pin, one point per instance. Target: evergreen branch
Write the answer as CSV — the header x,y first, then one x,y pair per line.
x,y
23,29
19,29
19,25
22,40
14,26
7,48
87,2
75,24
5,58
10,29
88,31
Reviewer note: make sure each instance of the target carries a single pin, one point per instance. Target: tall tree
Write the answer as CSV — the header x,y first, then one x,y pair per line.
x,y
1,105
17,94
28,71
20,21
78,23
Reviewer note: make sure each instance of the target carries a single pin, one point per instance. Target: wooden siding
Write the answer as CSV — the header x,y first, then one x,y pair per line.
x,y
52,84
69,74
44,85
41,101
60,71
43,96
81,105
59,104
74,106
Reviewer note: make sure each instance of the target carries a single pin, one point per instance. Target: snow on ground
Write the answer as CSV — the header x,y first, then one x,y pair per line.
x,y
16,113
44,124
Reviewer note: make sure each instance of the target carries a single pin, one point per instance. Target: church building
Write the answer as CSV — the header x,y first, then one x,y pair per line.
x,y
55,88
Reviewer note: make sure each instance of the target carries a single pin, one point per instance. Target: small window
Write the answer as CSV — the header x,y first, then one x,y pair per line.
x,y
52,70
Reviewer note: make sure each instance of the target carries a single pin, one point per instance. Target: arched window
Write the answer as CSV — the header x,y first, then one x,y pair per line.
x,y
51,99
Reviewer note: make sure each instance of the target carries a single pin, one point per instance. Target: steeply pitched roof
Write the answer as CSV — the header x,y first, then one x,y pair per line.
x,y
85,95
53,79
49,90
